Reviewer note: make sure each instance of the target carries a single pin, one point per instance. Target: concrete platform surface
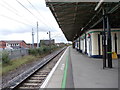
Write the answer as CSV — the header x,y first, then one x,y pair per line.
x,y
55,80
76,70
89,73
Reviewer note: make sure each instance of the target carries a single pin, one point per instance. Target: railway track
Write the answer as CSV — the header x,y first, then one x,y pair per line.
x,y
33,78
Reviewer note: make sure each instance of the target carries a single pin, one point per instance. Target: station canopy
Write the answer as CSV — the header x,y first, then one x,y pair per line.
x,y
75,18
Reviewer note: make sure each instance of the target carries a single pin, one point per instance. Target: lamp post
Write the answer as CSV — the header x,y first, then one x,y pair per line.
x,y
32,38
37,36
49,39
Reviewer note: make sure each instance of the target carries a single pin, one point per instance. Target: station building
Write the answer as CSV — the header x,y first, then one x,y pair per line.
x,y
90,43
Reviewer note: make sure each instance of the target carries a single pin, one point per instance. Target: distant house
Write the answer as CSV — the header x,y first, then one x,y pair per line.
x,y
30,45
14,44
2,44
47,42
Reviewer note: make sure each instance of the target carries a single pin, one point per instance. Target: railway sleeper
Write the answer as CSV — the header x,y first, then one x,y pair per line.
x,y
37,81
28,88
46,73
40,75
30,84
37,78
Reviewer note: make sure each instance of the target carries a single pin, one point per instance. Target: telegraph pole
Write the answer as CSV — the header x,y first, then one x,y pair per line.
x,y
32,38
49,39
37,36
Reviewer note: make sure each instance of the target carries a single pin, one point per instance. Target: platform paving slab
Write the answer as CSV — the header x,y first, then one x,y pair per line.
x,y
89,73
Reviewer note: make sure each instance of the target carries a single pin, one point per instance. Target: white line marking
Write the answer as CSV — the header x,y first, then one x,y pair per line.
x,y
62,67
52,71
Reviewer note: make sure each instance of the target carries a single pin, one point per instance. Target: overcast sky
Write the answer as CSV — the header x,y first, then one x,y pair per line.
x,y
18,17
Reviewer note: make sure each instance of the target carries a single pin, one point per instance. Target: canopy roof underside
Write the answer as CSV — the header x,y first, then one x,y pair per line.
x,y
75,18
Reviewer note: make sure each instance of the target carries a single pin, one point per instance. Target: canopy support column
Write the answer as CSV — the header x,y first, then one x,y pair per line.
x,y
104,39
109,45
85,44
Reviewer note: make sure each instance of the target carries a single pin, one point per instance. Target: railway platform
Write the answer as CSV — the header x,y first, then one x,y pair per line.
x,y
76,70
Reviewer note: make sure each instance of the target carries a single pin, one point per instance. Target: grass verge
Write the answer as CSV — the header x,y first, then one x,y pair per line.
x,y
16,63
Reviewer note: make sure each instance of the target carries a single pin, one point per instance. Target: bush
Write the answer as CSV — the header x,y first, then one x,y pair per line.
x,y
46,49
5,58
53,47
32,52
42,50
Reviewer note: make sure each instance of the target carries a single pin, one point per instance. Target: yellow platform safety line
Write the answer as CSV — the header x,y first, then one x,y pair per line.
x,y
114,55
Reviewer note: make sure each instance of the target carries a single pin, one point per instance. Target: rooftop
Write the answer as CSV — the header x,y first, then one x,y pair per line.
x,y
13,41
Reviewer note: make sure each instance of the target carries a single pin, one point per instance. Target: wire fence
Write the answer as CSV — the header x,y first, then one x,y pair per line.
x,y
13,54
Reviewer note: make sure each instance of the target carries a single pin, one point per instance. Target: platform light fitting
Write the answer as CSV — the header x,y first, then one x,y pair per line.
x,y
99,4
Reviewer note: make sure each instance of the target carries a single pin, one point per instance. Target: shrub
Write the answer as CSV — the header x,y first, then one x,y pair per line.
x,y
53,47
45,49
30,51
33,52
5,57
42,50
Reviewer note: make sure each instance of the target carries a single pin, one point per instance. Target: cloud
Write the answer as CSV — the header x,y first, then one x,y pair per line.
x,y
17,22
